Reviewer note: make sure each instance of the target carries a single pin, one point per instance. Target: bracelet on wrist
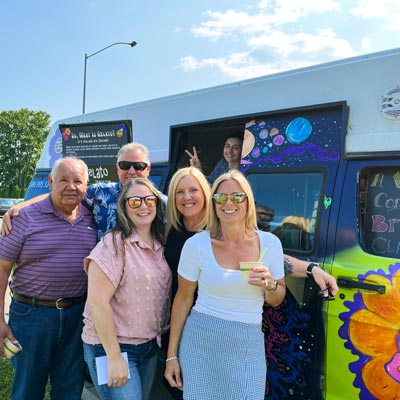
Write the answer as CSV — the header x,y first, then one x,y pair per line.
x,y
172,358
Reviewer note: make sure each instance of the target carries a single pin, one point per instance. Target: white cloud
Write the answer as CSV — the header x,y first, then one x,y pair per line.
x,y
386,10
237,66
394,25
287,34
281,12
275,52
370,9
304,44
366,43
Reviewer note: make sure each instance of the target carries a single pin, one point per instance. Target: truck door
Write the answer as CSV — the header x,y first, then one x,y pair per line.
x,y
294,180
363,350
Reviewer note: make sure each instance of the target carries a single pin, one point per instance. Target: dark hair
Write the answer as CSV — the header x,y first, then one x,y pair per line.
x,y
125,227
235,135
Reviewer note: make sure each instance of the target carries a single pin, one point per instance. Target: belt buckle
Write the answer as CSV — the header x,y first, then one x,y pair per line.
x,y
57,306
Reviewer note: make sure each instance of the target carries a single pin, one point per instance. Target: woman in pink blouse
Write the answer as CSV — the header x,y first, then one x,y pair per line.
x,y
128,302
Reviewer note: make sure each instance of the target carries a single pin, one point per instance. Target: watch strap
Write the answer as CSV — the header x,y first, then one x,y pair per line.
x,y
310,268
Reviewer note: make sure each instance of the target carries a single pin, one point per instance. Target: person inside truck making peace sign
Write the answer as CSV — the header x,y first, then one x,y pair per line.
x,y
232,154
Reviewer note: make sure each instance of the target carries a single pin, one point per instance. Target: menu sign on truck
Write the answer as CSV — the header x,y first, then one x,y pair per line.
x,y
96,143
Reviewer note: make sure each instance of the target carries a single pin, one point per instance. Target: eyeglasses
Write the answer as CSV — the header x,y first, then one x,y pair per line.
x,y
137,165
136,201
236,198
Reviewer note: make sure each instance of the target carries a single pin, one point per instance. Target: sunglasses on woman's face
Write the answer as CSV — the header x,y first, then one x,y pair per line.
x,y
136,201
137,165
236,198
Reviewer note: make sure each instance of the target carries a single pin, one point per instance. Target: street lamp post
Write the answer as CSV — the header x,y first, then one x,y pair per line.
x,y
132,44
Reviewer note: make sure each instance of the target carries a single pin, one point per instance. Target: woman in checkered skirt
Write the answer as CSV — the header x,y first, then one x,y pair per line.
x,y
216,348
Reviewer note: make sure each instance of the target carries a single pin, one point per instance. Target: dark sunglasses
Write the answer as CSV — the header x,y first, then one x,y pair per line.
x,y
236,198
137,165
136,201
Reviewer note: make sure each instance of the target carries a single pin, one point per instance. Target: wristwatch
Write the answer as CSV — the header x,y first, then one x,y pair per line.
x,y
273,288
310,268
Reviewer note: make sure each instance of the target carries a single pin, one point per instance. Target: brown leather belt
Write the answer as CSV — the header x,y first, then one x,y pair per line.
x,y
60,303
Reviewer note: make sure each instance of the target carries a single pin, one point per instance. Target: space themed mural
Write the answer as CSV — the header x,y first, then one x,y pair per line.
x,y
282,140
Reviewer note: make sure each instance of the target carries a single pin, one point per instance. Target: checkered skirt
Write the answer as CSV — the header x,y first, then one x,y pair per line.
x,y
221,359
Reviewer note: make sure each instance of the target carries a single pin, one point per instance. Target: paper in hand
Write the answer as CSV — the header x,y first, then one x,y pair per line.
x,y
102,368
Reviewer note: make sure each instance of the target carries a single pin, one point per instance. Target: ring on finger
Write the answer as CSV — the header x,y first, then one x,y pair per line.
x,y
114,383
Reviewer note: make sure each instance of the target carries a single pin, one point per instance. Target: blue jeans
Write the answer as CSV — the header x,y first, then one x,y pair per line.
x,y
51,346
142,359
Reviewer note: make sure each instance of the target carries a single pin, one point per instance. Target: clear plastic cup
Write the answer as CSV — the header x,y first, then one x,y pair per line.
x,y
246,267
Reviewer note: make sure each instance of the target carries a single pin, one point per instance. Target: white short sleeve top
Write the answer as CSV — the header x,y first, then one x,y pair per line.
x,y
222,292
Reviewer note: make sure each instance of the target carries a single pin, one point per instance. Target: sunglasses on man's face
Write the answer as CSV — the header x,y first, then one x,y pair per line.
x,y
236,198
137,165
136,201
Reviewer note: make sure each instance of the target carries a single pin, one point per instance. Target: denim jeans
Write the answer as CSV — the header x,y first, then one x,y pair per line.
x,y
142,361
51,347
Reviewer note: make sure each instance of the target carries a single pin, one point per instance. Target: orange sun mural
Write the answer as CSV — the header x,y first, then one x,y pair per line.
x,y
372,331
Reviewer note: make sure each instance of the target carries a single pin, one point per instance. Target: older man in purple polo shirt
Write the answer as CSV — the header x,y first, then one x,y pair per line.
x,y
48,243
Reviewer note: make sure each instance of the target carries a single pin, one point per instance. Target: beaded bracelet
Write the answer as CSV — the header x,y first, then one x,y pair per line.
x,y
171,358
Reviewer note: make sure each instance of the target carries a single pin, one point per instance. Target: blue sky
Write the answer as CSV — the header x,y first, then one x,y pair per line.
x,y
182,45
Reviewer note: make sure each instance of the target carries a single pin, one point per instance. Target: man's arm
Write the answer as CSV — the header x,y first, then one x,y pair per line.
x,y
5,331
298,269
13,212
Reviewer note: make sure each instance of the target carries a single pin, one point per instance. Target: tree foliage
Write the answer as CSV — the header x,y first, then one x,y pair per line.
x,y
22,136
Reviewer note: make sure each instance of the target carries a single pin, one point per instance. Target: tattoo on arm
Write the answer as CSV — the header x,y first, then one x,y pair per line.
x,y
288,266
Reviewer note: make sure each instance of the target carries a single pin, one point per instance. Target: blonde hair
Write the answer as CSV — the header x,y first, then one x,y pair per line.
x,y
213,223
173,214
303,223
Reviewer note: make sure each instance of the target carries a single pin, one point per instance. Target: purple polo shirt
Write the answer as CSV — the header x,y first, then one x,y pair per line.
x,y
48,251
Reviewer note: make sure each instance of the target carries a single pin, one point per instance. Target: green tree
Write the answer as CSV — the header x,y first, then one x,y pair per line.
x,y
22,136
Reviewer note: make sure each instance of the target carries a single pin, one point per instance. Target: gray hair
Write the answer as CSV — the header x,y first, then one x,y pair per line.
x,y
135,147
61,161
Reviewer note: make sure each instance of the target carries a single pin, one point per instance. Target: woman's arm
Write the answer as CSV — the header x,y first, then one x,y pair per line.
x,y
275,293
275,289
100,293
183,302
298,269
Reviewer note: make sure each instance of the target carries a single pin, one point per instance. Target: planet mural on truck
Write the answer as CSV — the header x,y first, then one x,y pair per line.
x,y
248,143
298,130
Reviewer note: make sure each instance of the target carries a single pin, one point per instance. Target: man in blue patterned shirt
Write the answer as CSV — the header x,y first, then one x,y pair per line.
x,y
101,198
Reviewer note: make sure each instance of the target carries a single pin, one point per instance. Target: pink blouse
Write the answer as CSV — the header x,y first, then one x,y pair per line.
x,y
142,299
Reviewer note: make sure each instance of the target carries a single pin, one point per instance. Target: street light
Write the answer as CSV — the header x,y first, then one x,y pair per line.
x,y
132,44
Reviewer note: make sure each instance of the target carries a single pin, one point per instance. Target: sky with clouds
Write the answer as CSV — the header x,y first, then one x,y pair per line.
x,y
182,46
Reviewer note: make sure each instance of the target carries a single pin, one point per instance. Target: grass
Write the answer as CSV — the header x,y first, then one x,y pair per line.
x,y
6,379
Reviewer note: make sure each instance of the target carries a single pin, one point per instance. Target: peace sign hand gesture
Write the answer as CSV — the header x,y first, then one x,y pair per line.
x,y
194,159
